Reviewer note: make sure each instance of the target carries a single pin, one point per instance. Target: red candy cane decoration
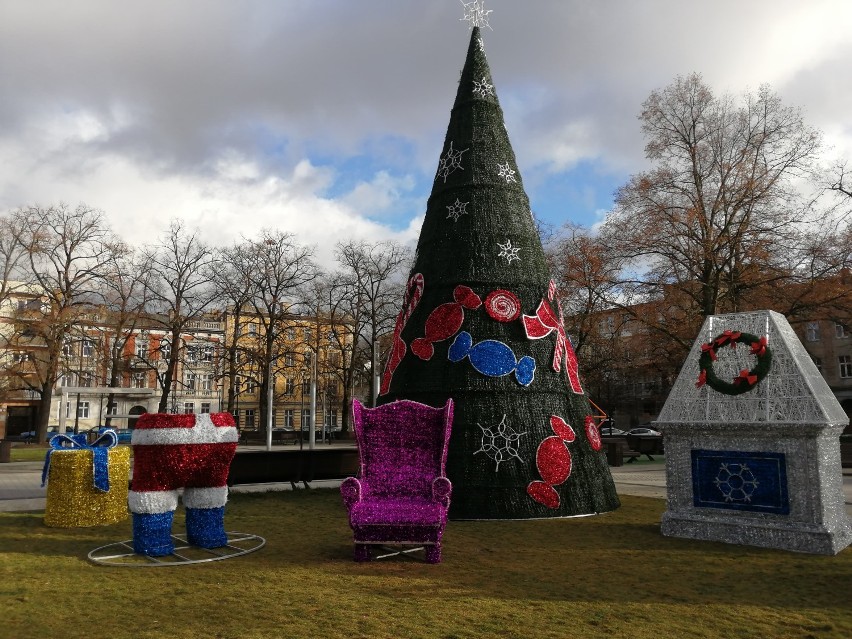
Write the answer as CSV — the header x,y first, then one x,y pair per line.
x,y
413,293
545,322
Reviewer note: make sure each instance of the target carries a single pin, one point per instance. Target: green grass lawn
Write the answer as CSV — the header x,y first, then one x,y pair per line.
x,y
608,576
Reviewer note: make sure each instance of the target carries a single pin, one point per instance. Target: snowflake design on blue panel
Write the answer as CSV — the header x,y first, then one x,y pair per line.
x,y
457,209
500,443
483,89
508,251
736,482
506,173
450,162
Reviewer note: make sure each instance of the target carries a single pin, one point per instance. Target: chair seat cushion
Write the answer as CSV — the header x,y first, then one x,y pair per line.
x,y
384,511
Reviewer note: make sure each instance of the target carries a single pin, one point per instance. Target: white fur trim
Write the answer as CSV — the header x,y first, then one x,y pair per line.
x,y
205,497
152,502
204,432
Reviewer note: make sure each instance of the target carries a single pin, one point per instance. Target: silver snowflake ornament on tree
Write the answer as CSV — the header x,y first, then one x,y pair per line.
x,y
483,89
506,173
450,162
457,209
475,14
508,251
500,443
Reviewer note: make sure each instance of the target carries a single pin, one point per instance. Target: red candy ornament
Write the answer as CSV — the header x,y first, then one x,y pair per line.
x,y
553,461
445,321
503,306
592,433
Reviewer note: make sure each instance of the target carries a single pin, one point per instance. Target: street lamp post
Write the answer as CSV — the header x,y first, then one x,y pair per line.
x,y
270,389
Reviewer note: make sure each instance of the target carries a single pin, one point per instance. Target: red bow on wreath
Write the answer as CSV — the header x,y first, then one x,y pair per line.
x,y
759,348
702,379
709,348
728,336
746,377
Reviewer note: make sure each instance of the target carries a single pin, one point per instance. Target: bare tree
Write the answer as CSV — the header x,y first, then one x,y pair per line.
x,y
374,271
179,292
123,300
232,282
721,217
277,269
67,251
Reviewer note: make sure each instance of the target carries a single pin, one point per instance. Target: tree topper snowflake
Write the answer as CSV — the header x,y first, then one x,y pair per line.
x,y
506,173
501,445
457,209
508,251
475,14
483,89
450,162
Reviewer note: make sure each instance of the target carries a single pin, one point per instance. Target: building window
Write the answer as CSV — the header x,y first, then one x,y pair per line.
x,y
138,380
67,409
331,418
288,360
207,382
141,349
66,348
188,408
83,410
817,363
289,386
288,418
190,381
112,409
306,386
290,333
165,349
205,407
812,331
252,329
85,379
250,418
845,365
87,348
840,330
250,385
309,334
306,418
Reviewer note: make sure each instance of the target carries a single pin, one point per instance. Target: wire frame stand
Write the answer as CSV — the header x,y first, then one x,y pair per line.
x,y
403,552
122,554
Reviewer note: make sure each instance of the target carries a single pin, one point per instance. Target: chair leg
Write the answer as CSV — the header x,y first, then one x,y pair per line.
x,y
433,554
362,552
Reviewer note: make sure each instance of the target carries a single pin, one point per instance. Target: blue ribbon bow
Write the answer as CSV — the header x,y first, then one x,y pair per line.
x,y
100,454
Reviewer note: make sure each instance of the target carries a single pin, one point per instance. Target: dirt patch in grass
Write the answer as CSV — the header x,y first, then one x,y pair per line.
x,y
608,576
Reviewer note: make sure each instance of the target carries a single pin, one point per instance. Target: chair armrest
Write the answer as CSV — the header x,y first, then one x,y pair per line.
x,y
351,491
441,490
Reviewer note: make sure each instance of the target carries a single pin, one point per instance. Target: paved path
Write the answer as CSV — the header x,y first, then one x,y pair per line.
x,y
20,483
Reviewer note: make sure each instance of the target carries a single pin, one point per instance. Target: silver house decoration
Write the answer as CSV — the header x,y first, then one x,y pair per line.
x,y
751,432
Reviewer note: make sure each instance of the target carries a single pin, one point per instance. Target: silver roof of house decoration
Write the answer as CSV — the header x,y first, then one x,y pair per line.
x,y
793,392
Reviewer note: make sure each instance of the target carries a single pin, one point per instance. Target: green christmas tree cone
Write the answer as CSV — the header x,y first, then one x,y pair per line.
x,y
480,324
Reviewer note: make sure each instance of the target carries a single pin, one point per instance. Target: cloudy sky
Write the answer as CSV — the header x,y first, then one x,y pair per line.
x,y
325,118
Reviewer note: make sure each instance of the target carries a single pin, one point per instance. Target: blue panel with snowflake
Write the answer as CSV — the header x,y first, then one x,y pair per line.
x,y
735,480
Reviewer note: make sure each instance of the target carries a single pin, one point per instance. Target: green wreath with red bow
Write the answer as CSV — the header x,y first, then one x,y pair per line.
x,y
747,379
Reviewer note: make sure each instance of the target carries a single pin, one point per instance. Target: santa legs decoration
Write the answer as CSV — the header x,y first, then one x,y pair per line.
x,y
192,452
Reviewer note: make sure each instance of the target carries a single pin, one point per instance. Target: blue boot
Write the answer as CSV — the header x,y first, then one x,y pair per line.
x,y
152,534
205,527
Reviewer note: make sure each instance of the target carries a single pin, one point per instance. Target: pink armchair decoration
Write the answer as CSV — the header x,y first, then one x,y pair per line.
x,y
402,495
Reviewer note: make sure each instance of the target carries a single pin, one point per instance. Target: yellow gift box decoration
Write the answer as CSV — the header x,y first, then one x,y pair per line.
x,y
87,483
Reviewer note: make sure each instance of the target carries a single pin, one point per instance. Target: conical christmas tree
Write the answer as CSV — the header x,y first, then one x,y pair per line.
x,y
480,323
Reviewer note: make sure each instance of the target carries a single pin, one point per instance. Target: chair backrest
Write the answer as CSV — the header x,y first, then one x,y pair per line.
x,y
403,447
